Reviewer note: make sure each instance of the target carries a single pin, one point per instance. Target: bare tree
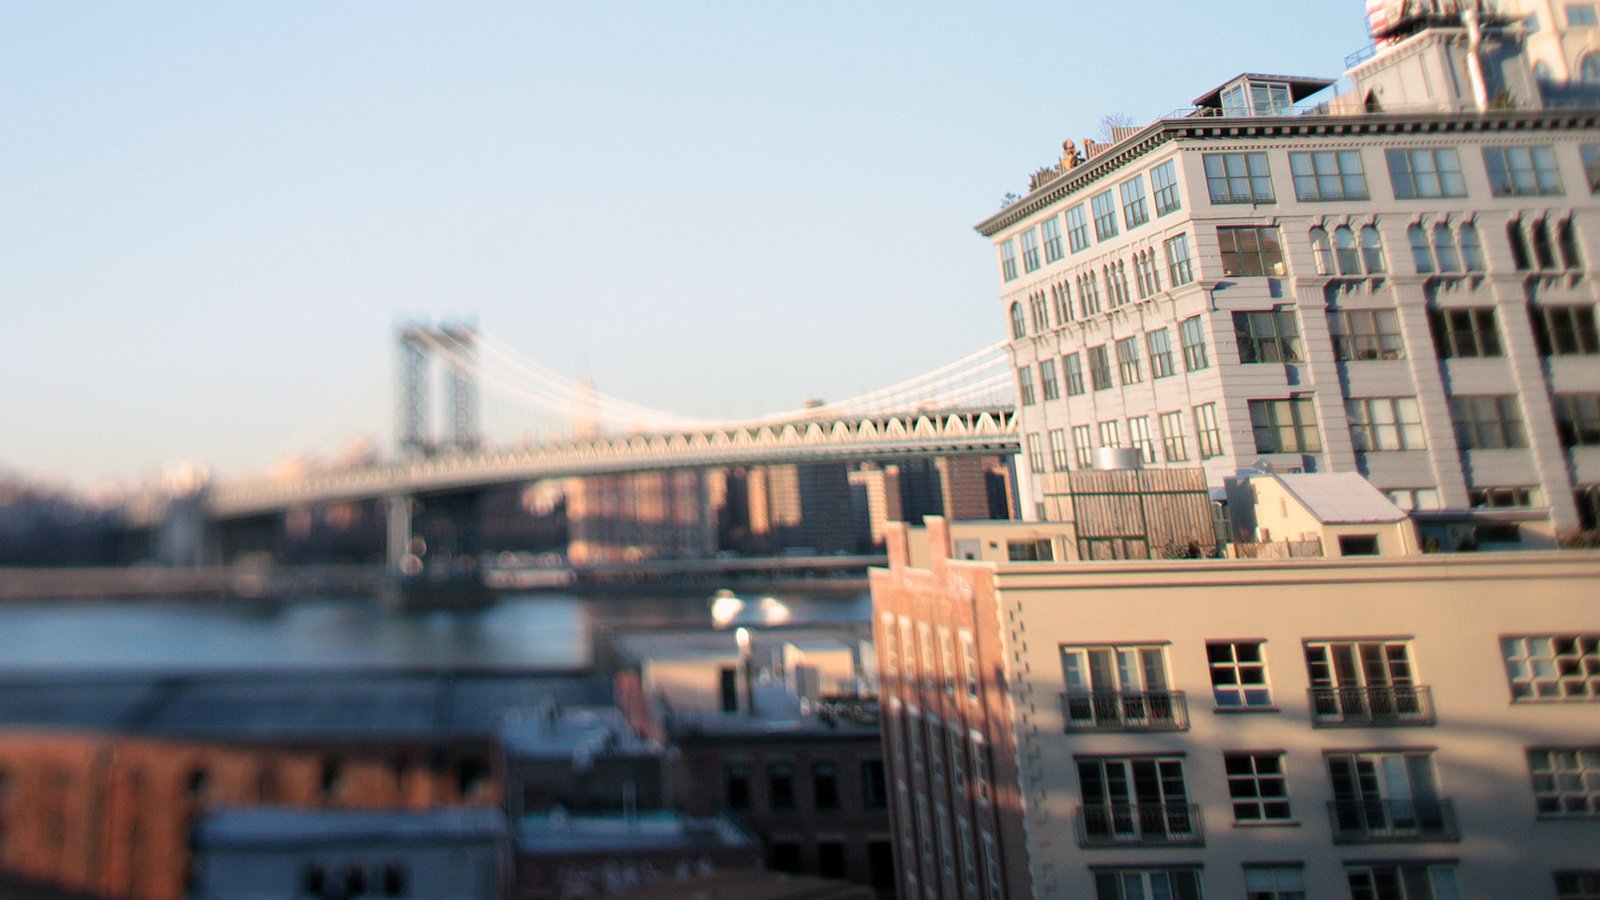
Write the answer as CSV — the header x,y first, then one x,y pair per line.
x,y
1111,121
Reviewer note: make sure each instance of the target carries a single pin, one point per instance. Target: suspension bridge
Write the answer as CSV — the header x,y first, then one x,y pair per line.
x,y
964,407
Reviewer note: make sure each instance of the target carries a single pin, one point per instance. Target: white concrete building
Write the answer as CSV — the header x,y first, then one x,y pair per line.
x,y
1394,279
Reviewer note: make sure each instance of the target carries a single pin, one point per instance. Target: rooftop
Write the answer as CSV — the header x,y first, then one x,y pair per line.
x,y
1340,498
558,832
283,827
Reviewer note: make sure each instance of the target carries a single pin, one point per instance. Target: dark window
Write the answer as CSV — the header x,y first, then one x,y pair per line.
x,y
830,859
1145,884
736,783
730,689
332,779
314,880
1269,336
1257,786
1285,426
780,785
874,790
825,785
1578,419
1358,545
1565,330
1365,334
1487,422
1099,368
395,880
880,864
784,857
1464,333
355,880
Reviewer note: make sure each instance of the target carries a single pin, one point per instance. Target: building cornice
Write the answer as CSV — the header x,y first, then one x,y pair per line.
x,y
1206,128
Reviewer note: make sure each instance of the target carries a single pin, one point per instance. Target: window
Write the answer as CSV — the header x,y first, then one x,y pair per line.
x,y
1345,253
1073,364
1038,312
1077,228
1381,797
1552,667
1139,434
1365,683
1172,442
1059,456
1205,427
1133,801
1025,385
1036,454
1047,379
1030,250
1328,175
1444,250
874,789
1565,330
1591,166
1105,215
1061,299
1578,419
1179,269
1083,444
780,785
1110,435
1360,334
1191,333
1321,251
1285,426
1099,368
1270,336
1148,271
1120,688
1256,783
1257,98
1116,283
1567,242
1160,345
1019,326
1413,499
736,785
1385,423
1425,173
1471,247
1487,422
1051,229
1578,885
1128,360
1164,180
1274,883
1134,211
1239,675
1008,260
825,784
1503,497
1521,171
1088,294
1238,178
1250,250
1393,881
1147,884
1372,250
1566,781
1580,15
1464,333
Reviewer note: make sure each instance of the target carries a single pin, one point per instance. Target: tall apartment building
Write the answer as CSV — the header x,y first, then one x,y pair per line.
x,y
1397,280
1366,723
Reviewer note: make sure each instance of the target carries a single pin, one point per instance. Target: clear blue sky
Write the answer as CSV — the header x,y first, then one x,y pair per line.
x,y
212,214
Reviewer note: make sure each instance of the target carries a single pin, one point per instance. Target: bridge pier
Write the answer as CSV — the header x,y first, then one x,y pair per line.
x,y
397,533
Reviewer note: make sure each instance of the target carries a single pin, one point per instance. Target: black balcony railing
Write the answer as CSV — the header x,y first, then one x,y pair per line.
x,y
1125,711
1385,821
1390,704
1139,824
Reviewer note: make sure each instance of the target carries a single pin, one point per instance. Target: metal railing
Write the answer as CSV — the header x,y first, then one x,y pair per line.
x,y
1139,825
1384,705
1125,711
1386,821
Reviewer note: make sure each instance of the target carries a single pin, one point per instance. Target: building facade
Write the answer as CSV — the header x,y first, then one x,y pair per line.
x,y
1384,725
1396,281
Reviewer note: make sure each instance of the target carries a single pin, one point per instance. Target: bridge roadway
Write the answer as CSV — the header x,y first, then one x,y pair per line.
x,y
880,436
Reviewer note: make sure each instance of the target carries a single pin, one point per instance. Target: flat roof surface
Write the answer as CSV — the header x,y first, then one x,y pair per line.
x,y
259,826
556,833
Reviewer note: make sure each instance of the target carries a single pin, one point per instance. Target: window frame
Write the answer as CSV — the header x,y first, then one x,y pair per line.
x,y
1135,210
1523,170
1368,334
1164,183
1271,429
1251,251
1327,175
1238,177
1440,179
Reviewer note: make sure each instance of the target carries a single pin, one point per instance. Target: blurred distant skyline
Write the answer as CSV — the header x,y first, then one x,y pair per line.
x,y
214,215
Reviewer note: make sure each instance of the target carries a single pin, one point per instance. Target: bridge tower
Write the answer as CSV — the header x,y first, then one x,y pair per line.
x,y
419,343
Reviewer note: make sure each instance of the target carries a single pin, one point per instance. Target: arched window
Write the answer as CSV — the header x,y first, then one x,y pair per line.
x,y
332,779
1344,250
1471,247
1018,327
1372,250
1420,254
1567,240
1589,67
1444,249
1544,252
1320,251
1519,245
199,784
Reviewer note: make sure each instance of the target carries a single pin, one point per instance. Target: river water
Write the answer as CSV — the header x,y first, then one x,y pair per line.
x,y
545,632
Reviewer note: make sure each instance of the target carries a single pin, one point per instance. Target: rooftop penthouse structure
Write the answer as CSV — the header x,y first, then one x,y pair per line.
x,y
1391,275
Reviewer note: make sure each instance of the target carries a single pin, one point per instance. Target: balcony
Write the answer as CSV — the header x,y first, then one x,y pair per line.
x,y
1139,825
1125,711
1392,821
1384,706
